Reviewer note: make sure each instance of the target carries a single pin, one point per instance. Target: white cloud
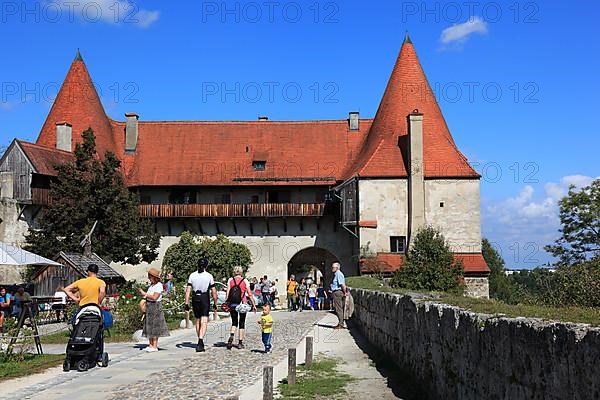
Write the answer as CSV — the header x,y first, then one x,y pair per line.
x,y
522,225
459,33
109,11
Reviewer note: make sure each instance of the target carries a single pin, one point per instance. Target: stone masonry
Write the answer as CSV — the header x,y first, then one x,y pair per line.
x,y
455,354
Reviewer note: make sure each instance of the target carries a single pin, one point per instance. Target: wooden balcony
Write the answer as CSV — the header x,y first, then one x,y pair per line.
x,y
232,210
40,196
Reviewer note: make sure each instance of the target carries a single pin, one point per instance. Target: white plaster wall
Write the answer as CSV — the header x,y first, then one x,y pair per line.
x,y
270,251
459,219
384,201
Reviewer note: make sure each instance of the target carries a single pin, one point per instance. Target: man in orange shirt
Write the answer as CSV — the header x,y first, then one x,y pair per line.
x,y
90,290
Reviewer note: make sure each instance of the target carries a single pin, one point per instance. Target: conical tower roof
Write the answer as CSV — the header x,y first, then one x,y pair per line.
x,y
384,151
78,103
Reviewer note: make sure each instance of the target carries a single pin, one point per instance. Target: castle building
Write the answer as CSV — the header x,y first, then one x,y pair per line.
x,y
297,193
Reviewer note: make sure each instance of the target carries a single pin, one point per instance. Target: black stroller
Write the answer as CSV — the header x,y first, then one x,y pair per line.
x,y
86,344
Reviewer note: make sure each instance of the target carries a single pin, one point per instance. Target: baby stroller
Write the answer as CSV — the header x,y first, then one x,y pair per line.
x,y
86,344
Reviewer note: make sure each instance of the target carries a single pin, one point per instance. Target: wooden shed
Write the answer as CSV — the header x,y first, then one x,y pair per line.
x,y
74,266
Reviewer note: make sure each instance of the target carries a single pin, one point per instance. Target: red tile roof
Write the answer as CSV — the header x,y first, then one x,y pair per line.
x,y
43,158
221,153
473,263
78,103
408,90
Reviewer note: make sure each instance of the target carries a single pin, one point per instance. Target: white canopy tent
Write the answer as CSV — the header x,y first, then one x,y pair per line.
x,y
12,255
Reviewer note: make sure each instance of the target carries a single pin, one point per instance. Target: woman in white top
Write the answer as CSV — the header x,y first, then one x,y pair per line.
x,y
155,325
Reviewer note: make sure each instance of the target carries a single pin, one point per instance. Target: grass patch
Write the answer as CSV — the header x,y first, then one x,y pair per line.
x,y
583,315
320,380
28,364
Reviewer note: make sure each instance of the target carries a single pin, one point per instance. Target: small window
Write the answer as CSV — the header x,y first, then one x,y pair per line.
x,y
259,165
397,244
441,204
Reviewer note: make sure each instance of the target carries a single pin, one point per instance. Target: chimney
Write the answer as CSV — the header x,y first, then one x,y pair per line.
x,y
353,121
416,175
64,136
263,118
131,132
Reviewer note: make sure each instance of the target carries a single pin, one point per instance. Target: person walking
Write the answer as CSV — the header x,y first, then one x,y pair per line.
x,y
302,291
238,293
312,296
90,290
266,290
200,284
266,327
292,293
169,285
321,296
155,325
339,291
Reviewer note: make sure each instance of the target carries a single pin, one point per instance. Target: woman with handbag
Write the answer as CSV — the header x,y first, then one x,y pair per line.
x,y
155,325
238,293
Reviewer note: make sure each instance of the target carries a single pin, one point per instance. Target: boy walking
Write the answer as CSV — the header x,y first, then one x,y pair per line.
x,y
266,324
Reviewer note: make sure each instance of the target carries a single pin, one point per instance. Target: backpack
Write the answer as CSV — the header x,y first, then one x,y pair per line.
x,y
235,293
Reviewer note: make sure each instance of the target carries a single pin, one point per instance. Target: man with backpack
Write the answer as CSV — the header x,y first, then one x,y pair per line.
x,y
199,284
238,293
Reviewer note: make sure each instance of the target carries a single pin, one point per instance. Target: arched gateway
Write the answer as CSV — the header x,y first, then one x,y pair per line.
x,y
311,259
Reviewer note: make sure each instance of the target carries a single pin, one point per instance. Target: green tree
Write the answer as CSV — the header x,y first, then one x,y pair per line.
x,y
580,220
429,264
88,190
223,255
181,258
502,287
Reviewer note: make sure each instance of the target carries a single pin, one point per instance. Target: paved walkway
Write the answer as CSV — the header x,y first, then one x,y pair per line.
x,y
353,354
176,371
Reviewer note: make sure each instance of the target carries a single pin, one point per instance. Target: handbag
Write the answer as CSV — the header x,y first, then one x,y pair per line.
x,y
243,308
143,305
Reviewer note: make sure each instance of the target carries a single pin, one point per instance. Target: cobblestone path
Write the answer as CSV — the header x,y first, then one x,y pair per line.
x,y
220,373
176,371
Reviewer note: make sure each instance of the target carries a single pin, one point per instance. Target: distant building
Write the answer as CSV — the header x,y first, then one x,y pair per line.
x,y
296,192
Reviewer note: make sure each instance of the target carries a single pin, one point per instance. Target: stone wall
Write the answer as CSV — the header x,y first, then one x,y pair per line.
x,y
456,354
477,287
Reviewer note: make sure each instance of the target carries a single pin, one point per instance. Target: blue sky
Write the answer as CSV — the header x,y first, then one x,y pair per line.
x,y
517,81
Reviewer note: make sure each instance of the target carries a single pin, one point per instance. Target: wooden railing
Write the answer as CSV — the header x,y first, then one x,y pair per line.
x,y
232,210
40,196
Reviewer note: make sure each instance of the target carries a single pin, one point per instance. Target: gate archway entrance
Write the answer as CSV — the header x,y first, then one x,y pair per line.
x,y
314,262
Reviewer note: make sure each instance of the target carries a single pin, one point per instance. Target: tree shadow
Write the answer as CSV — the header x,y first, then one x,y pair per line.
x,y
400,381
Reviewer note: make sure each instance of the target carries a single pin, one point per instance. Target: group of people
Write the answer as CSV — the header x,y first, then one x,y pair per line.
x,y
305,295
11,303
266,289
199,291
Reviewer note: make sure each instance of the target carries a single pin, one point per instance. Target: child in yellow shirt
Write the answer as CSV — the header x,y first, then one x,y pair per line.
x,y
266,324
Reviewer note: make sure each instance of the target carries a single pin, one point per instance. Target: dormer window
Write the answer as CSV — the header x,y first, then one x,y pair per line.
x,y
259,165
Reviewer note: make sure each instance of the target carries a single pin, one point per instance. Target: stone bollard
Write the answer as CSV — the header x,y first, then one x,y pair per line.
x,y
268,383
291,366
309,351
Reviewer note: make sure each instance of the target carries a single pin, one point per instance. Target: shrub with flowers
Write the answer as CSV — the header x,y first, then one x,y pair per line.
x,y
125,306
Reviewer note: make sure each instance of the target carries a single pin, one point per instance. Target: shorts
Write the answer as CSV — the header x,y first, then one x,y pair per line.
x,y
201,305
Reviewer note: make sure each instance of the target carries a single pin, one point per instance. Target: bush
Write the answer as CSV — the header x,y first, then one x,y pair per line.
x,y
181,258
430,265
